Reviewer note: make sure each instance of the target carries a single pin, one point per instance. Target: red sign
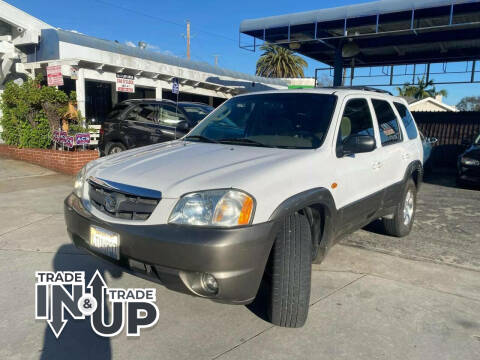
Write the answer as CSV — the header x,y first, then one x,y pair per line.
x,y
125,83
54,75
82,138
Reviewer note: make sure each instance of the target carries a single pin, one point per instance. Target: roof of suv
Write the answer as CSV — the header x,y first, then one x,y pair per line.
x,y
341,90
152,100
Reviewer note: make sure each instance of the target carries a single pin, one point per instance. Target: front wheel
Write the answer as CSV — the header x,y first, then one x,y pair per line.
x,y
291,268
402,222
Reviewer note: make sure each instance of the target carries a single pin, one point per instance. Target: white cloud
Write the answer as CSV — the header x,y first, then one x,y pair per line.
x,y
152,47
130,43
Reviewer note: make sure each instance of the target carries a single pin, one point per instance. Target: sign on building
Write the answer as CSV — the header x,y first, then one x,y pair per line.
x,y
175,86
54,75
125,83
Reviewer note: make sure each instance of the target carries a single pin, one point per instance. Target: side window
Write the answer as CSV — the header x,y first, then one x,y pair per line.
x,y
143,112
407,120
387,122
356,120
170,115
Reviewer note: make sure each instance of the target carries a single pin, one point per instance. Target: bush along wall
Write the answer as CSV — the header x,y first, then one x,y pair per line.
x,y
31,113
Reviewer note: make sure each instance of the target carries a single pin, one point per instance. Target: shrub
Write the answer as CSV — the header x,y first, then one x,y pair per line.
x,y
31,113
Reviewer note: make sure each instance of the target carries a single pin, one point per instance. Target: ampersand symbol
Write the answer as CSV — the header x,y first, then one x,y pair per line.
x,y
86,304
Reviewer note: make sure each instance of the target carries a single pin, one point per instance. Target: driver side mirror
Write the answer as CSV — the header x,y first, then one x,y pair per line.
x,y
357,144
183,125
432,140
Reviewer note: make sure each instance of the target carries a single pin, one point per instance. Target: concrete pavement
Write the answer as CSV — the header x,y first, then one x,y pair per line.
x,y
364,305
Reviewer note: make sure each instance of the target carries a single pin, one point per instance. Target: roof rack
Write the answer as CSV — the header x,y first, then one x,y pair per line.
x,y
361,88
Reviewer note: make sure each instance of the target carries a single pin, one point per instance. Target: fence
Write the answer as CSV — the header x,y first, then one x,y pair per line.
x,y
452,130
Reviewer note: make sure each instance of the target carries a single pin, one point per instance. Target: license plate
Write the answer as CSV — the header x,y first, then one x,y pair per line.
x,y
105,242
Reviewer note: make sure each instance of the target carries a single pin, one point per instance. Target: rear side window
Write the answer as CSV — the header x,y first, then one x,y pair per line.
x,y
408,121
143,113
387,122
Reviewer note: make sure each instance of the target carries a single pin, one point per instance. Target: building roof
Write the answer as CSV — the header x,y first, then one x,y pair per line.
x,y
386,31
50,51
437,103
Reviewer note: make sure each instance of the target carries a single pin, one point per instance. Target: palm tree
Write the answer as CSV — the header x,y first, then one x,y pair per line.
x,y
422,90
279,62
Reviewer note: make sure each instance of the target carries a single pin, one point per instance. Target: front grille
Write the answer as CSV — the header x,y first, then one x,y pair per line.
x,y
122,201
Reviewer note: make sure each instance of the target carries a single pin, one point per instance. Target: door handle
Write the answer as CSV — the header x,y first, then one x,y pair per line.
x,y
406,156
377,165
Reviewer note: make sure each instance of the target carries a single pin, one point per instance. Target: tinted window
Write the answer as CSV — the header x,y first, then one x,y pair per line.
x,y
289,120
387,122
408,121
196,113
356,120
143,112
170,115
117,110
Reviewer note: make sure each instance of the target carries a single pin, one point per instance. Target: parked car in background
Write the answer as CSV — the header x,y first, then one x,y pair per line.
x,y
140,122
427,144
469,164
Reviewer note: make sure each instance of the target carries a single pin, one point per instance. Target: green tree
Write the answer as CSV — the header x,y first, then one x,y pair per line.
x,y
469,103
279,62
31,112
422,90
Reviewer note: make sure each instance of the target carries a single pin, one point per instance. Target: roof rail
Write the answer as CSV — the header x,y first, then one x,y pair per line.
x,y
361,88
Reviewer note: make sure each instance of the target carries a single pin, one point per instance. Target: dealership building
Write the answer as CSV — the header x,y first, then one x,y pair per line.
x,y
91,66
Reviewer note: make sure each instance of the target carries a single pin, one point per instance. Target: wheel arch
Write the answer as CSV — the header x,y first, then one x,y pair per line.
x,y
318,205
414,171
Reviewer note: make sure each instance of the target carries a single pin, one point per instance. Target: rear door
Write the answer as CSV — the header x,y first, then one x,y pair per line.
x,y
141,126
170,117
358,195
412,148
391,150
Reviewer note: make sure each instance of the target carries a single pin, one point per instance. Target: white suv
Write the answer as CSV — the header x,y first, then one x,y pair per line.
x,y
254,194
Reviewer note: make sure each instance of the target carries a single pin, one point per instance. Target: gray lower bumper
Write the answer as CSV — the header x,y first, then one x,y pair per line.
x,y
174,255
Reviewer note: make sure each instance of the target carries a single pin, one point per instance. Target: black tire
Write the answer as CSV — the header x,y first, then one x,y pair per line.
x,y
398,225
114,148
291,270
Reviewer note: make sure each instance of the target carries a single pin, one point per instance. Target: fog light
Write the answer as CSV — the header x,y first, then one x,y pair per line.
x,y
209,283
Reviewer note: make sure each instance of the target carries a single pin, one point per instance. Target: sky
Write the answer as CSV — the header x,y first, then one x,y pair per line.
x,y
162,25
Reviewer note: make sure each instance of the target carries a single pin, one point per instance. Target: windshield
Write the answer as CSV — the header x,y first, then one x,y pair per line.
x,y
477,140
295,120
197,112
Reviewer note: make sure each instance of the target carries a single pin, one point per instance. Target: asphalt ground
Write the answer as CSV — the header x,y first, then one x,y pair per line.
x,y
374,297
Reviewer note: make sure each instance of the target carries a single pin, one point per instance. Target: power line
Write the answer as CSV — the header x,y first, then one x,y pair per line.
x,y
163,20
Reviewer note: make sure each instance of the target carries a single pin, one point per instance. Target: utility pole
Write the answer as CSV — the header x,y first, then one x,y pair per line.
x,y
188,39
216,59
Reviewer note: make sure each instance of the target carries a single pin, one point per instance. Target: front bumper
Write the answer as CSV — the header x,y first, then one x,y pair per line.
x,y
177,255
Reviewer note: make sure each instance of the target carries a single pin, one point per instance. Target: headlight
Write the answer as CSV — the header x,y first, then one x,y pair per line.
x,y
214,208
469,161
79,181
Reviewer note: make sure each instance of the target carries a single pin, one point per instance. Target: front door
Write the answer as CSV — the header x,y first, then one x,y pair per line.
x,y
358,195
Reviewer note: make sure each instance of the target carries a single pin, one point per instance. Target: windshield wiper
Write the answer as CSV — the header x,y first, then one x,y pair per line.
x,y
244,141
201,138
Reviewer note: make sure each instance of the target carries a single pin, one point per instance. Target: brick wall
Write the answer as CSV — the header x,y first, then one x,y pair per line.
x,y
67,162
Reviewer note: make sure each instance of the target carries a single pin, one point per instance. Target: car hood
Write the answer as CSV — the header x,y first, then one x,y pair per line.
x,y
178,167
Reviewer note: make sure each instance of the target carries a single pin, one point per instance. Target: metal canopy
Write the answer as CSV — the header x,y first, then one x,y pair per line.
x,y
387,32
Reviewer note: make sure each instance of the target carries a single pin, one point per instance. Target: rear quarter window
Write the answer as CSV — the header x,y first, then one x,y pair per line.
x,y
408,121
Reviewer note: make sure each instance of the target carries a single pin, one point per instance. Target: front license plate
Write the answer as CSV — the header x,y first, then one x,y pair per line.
x,y
105,242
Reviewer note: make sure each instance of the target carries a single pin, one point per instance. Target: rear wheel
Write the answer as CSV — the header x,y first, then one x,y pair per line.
x,y
114,148
402,222
291,267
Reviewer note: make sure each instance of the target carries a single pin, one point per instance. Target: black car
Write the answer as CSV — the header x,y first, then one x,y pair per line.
x,y
140,122
469,164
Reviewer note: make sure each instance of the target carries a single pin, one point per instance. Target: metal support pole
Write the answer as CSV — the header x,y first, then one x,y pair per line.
x,y
473,70
338,66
